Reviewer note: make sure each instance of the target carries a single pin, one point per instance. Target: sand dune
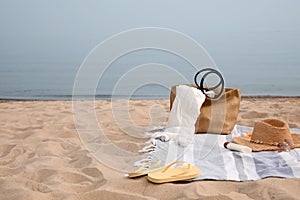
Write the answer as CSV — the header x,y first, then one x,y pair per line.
x,y
42,156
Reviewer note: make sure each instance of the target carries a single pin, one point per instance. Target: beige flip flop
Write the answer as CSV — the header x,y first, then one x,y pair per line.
x,y
180,173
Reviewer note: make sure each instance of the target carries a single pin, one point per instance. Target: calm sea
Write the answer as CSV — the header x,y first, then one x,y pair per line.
x,y
259,63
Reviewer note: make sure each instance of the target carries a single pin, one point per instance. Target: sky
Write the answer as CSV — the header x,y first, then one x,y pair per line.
x,y
57,18
50,28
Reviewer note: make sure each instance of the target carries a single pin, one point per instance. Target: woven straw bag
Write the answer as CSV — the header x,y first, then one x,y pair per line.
x,y
216,115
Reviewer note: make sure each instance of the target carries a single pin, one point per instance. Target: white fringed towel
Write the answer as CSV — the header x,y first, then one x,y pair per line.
x,y
218,163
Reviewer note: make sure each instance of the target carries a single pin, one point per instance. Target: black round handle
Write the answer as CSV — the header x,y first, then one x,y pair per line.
x,y
201,87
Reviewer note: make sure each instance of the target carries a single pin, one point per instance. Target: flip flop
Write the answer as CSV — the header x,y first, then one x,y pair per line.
x,y
180,173
142,171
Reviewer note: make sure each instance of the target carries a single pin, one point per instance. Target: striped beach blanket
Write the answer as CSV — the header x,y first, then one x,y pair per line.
x,y
217,163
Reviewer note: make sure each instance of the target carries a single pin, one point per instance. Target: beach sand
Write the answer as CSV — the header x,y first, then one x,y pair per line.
x,y
42,156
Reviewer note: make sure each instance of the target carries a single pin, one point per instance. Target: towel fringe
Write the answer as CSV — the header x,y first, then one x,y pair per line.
x,y
143,162
154,129
149,149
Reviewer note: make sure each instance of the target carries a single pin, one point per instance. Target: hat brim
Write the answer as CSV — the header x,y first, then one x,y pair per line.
x,y
245,140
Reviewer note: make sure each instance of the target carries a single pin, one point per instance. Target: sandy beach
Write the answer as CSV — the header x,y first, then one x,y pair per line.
x,y
42,156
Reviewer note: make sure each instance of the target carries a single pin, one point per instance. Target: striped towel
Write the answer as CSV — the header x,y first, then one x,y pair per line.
x,y
216,162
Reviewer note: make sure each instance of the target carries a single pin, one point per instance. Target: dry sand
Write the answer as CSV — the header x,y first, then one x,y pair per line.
x,y
42,157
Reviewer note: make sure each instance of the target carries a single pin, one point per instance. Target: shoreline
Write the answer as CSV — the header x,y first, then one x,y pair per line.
x,y
138,99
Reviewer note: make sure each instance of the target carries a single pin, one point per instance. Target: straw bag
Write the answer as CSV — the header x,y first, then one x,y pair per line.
x,y
217,115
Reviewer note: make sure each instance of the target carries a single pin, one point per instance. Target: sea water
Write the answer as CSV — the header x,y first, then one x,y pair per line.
x,y
259,63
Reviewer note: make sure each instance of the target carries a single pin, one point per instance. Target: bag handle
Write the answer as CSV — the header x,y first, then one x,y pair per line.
x,y
205,90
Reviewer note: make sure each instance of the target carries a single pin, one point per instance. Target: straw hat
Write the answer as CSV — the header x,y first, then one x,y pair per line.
x,y
269,135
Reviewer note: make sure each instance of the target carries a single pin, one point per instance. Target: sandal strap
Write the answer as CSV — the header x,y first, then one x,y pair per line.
x,y
176,162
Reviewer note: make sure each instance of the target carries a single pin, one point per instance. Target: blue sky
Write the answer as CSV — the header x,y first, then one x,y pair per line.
x,y
66,30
